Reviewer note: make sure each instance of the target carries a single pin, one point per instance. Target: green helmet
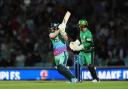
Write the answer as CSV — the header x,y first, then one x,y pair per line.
x,y
82,22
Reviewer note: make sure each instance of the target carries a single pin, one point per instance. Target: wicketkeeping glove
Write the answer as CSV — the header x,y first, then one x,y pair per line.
x,y
75,46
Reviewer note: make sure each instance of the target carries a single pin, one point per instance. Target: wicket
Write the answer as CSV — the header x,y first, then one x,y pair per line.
x,y
78,68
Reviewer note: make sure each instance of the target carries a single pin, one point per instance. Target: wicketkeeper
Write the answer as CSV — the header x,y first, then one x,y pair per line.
x,y
85,46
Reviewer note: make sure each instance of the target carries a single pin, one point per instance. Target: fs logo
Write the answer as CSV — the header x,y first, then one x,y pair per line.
x,y
44,74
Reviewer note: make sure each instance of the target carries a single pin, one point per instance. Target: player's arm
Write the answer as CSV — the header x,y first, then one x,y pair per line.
x,y
62,26
65,37
54,34
76,46
88,42
62,31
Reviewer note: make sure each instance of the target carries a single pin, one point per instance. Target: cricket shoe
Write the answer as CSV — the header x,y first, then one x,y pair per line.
x,y
95,80
74,80
68,81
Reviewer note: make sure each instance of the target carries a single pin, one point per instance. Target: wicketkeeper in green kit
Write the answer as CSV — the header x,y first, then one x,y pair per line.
x,y
85,46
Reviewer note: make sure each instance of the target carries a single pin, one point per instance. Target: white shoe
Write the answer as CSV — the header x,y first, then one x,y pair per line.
x,y
94,81
74,80
68,82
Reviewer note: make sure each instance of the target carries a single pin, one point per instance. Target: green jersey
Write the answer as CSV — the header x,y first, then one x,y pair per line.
x,y
86,39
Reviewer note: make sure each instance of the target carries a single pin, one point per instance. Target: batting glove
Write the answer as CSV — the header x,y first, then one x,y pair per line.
x,y
62,26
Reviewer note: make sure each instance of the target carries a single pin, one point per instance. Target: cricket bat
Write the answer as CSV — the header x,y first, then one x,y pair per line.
x,y
62,26
66,17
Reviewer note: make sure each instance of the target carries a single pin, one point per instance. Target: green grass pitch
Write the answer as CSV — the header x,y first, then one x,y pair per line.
x,y
63,85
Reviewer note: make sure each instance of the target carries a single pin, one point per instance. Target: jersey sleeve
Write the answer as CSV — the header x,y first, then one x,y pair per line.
x,y
88,41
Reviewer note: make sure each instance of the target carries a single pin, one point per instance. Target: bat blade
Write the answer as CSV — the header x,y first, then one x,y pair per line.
x,y
66,17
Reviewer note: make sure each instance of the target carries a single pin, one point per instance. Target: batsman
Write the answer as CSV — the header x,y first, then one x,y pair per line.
x,y
86,47
59,39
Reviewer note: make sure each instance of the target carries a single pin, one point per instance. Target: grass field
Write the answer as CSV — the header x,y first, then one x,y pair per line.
x,y
63,85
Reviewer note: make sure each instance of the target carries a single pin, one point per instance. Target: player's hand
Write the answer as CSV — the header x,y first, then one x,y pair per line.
x,y
77,42
76,47
62,27
72,45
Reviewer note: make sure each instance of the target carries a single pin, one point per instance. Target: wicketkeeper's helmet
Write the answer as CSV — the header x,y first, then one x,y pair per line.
x,y
83,22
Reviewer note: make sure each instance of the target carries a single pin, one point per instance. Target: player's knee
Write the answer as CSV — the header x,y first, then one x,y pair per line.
x,y
59,66
90,66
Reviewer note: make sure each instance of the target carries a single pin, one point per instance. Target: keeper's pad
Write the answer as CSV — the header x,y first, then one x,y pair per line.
x,y
93,71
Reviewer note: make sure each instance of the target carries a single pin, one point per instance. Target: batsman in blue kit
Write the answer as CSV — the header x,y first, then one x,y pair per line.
x,y
59,38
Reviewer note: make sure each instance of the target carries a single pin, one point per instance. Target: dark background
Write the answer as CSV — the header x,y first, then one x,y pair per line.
x,y
24,30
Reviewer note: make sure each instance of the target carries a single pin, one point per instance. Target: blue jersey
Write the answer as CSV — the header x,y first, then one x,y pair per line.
x,y
59,45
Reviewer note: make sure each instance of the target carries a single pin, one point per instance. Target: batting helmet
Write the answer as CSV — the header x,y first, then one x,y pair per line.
x,y
54,26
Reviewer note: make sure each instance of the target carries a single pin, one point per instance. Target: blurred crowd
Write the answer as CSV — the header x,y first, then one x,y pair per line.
x,y
24,30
